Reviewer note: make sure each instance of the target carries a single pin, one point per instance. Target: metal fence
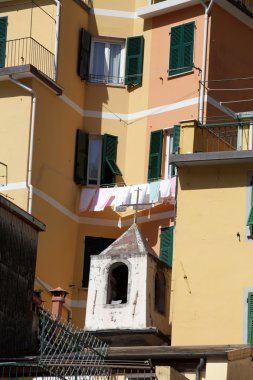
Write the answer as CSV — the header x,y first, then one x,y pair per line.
x,y
224,137
25,51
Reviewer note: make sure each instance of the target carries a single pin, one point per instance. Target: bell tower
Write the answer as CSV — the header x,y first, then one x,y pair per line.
x,y
129,292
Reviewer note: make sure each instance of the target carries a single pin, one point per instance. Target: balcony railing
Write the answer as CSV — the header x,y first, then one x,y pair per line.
x,y
245,5
224,137
24,51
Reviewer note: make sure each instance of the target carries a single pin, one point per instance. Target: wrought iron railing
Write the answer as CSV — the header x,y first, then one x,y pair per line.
x,y
109,79
245,5
25,51
224,137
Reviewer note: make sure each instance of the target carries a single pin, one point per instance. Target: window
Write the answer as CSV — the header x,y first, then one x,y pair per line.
x,y
160,285
166,245
181,48
171,137
105,61
106,65
117,284
95,159
92,246
250,318
3,34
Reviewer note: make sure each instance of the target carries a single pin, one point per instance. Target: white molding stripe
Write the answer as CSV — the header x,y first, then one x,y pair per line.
x,y
13,186
100,221
145,113
113,13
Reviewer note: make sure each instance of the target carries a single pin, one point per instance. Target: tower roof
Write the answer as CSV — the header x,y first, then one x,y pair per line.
x,y
131,242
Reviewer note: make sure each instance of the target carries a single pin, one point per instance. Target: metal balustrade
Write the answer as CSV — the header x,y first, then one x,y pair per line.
x,y
223,137
24,51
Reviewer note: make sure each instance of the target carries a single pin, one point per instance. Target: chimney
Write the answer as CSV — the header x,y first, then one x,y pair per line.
x,y
58,299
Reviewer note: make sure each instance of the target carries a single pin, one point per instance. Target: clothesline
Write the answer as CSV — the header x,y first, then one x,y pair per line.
x,y
97,199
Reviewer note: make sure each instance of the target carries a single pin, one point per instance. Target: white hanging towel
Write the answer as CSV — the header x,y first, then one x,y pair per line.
x,y
85,199
143,188
154,191
122,197
165,188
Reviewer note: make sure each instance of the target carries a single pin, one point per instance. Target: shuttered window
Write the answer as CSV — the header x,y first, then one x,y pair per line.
x,y
166,245
84,54
250,318
92,246
109,168
81,157
181,48
155,155
3,36
134,60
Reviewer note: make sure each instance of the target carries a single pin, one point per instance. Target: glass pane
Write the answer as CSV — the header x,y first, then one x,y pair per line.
x,y
94,160
98,65
114,63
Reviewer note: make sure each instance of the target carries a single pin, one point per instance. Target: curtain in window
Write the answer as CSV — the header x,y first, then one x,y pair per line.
x,y
114,63
98,62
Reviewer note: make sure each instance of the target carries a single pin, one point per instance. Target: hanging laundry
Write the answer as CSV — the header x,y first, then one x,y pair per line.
x,y
173,182
122,197
154,191
165,188
142,197
103,198
86,197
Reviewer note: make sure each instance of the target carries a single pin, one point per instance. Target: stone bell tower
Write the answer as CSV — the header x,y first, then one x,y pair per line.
x,y
129,293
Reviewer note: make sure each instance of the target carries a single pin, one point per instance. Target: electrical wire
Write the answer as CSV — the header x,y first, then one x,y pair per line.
x,y
238,101
228,79
230,89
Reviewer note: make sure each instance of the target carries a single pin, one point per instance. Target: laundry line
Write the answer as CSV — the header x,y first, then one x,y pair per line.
x,y
119,197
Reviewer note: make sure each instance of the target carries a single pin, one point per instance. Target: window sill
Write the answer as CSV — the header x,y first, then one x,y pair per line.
x,y
106,84
180,74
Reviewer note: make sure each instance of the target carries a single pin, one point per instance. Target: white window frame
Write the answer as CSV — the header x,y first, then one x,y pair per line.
x,y
107,42
94,137
168,150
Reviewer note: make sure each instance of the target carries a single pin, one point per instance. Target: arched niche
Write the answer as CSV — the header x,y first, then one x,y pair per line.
x,y
160,288
117,286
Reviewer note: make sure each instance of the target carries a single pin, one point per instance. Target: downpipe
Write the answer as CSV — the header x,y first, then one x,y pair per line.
x,y
199,368
203,73
31,142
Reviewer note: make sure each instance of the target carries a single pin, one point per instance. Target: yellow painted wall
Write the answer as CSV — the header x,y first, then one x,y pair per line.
x,y
212,264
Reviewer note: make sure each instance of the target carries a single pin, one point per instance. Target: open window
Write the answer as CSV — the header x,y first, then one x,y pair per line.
x,y
162,144
117,284
160,288
110,60
95,159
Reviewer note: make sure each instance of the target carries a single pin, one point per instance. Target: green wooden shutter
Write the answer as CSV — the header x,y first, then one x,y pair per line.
x,y
3,36
166,245
175,50
250,318
187,49
250,218
176,138
155,155
81,157
134,60
109,154
181,48
92,246
84,54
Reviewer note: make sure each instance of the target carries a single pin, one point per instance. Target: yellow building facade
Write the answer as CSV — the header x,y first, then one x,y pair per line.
x,y
91,98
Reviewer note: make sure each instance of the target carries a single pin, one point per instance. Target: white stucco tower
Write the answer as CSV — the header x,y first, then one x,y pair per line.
x,y
129,291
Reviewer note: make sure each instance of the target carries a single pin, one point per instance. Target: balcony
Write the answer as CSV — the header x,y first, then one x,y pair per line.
x,y
159,7
213,143
27,51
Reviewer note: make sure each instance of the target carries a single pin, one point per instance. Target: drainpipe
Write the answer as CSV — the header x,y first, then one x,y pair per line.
x,y
57,31
199,368
32,126
203,73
